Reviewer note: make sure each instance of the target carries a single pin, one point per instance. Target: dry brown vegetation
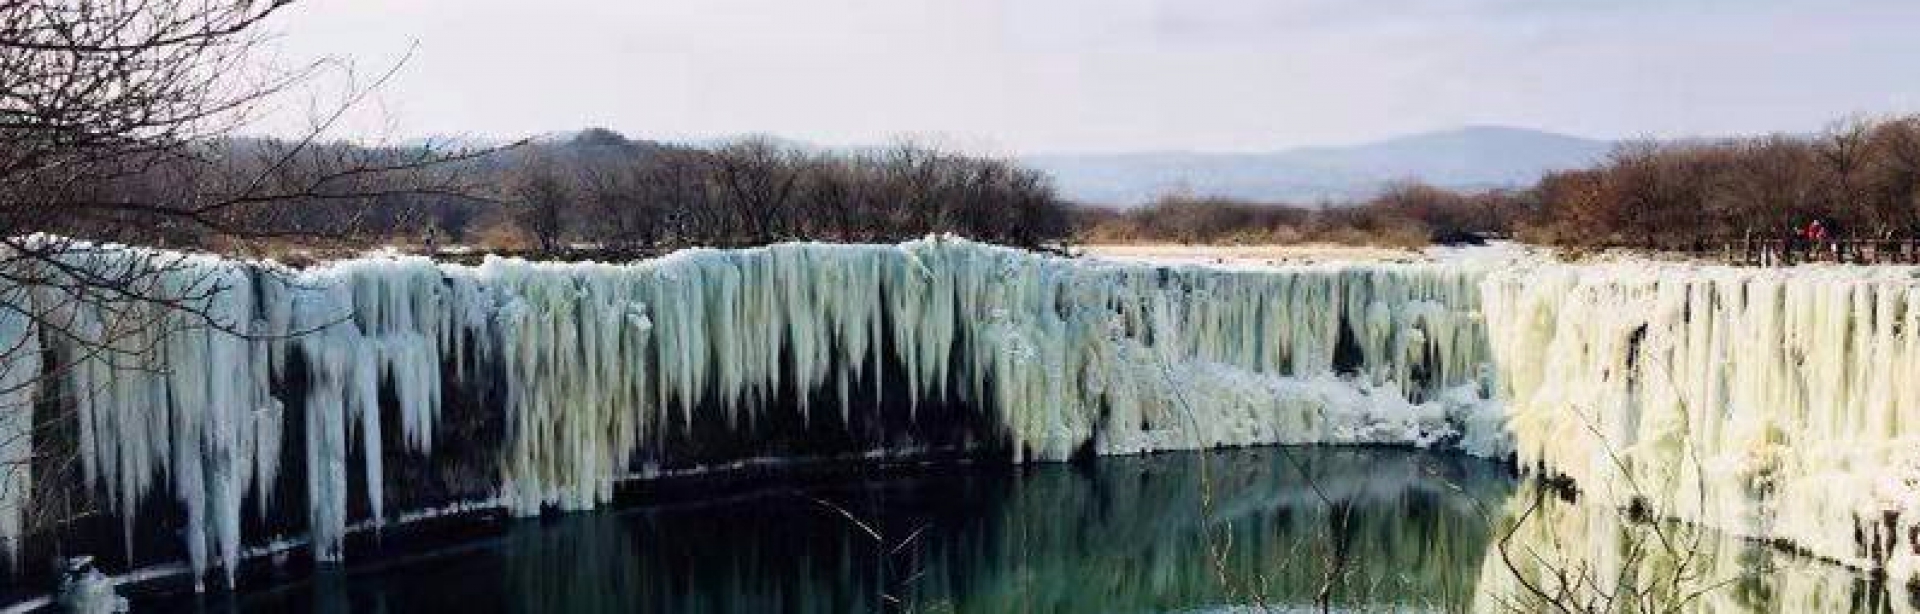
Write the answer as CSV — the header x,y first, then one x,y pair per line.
x,y
600,193
602,189
1404,215
1860,178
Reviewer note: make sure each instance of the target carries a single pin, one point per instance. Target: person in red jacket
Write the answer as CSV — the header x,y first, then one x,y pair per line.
x,y
1816,231
1816,234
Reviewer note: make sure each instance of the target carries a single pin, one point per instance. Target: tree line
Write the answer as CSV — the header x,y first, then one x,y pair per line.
x,y
604,191
595,191
598,190
1405,214
1859,178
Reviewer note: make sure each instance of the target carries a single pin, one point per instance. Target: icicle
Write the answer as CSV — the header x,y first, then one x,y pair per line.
x,y
1792,387
19,381
1766,403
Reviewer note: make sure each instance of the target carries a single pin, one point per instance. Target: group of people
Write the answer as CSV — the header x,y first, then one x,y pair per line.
x,y
1813,238
1819,239
1814,232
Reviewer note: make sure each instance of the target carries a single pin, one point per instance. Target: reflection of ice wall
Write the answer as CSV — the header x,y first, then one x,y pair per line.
x,y
1116,536
1767,403
595,362
1590,554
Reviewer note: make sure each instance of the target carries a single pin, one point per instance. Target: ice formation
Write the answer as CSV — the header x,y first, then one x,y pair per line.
x,y
84,590
1768,403
18,384
1787,394
597,359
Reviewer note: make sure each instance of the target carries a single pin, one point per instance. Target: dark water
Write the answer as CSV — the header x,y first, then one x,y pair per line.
x,y
1154,534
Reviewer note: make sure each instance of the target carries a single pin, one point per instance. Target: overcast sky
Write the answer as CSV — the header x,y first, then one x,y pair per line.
x,y
1028,76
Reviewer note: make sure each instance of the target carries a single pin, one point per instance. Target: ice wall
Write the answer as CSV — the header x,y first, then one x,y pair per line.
x,y
18,386
589,364
1774,404
1779,404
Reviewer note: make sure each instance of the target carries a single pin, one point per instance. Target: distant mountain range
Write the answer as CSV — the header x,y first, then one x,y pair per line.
x,y
1474,157
1471,158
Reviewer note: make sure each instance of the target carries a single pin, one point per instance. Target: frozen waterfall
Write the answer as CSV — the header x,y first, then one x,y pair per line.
x,y
586,365
311,404
1769,403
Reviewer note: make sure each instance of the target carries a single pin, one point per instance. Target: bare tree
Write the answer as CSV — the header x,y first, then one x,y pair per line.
x,y
1895,173
914,188
541,199
616,185
833,196
1034,215
1846,149
757,179
116,123
675,180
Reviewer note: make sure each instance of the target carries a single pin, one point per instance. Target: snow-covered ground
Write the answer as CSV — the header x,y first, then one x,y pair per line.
x,y
1269,256
1244,255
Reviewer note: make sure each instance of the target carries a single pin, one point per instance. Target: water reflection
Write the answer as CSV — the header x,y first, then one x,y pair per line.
x,y
1120,535
1619,561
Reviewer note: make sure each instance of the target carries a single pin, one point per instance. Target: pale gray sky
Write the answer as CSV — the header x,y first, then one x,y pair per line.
x,y
1026,76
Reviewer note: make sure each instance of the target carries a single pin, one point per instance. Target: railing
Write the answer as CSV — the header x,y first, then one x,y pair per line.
x,y
1787,252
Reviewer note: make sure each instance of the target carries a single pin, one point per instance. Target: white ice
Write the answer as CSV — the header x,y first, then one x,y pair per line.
x,y
1787,394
